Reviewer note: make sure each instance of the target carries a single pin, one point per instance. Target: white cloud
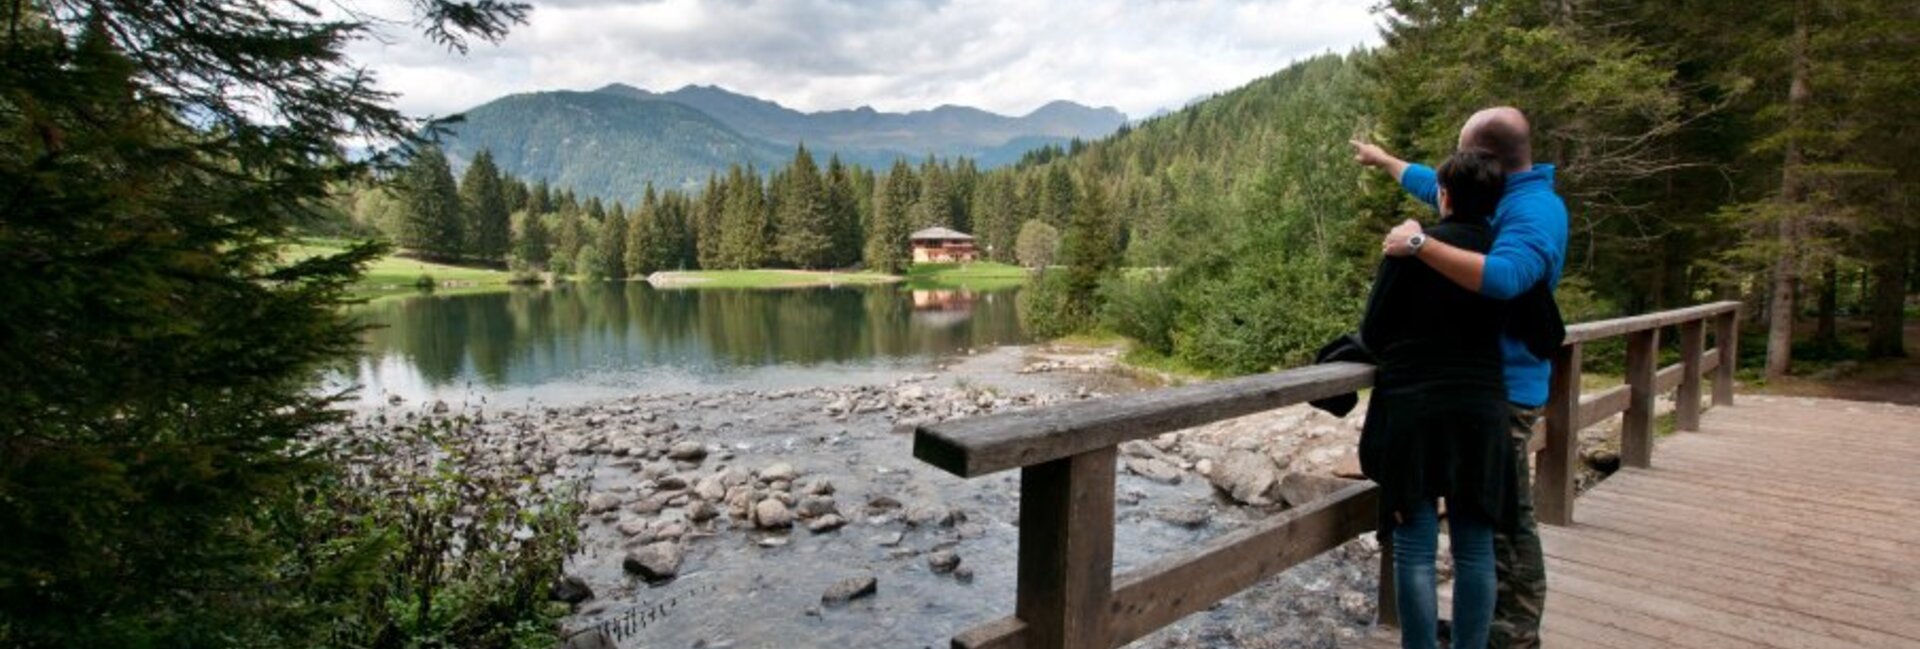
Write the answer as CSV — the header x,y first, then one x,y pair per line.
x,y
1008,56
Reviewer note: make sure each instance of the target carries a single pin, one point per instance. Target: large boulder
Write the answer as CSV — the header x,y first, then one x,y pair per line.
x,y
572,590
772,514
1154,469
1246,476
655,562
1298,489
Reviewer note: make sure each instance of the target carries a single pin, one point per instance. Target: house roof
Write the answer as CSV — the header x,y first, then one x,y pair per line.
x,y
939,233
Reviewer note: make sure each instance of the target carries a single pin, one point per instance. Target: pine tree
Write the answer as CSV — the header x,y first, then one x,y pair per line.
x,y
1089,248
613,244
706,226
843,216
743,223
483,197
644,241
886,249
802,227
431,226
531,248
540,199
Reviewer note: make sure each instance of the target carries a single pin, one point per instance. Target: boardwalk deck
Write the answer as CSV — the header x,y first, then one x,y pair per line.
x,y
1784,523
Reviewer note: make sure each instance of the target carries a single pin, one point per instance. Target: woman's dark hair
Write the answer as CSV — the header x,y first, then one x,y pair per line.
x,y
1474,181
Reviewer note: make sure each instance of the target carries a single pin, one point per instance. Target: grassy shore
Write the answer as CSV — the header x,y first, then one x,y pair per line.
x,y
978,276
393,275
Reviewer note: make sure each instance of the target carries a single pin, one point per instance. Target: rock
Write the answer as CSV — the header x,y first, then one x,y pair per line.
x,y
943,562
819,488
827,523
1356,606
773,541
687,451
929,515
601,503
1298,489
849,589
631,528
572,590
650,504
1349,467
1154,469
670,532
890,539
1203,467
1186,517
710,488
701,511
595,639
772,514
778,471
882,503
812,506
655,562
670,483
440,407
1246,477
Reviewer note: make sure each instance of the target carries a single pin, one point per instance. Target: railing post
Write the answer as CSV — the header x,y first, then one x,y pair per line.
x,y
1726,339
1686,411
1636,427
1066,551
1553,478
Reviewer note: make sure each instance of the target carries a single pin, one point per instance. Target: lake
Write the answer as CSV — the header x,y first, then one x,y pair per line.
x,y
589,341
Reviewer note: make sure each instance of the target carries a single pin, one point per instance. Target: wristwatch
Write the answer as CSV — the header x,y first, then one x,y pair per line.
x,y
1415,242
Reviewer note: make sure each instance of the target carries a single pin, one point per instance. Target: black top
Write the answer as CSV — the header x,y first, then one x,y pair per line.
x,y
1437,421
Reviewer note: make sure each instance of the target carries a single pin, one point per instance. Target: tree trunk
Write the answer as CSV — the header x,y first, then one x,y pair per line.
x,y
1826,331
1792,194
1886,335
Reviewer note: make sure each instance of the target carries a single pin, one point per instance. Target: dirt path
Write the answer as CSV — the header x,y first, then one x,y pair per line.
x,y
1894,380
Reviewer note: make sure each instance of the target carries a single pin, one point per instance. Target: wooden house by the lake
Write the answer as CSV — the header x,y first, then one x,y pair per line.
x,y
941,245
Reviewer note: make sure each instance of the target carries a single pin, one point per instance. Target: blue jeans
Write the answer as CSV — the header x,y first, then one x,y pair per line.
x,y
1415,543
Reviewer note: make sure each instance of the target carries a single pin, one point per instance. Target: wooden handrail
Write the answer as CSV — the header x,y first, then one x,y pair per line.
x,y
1067,594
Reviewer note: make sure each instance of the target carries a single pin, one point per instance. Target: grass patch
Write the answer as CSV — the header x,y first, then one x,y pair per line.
x,y
977,276
393,275
764,278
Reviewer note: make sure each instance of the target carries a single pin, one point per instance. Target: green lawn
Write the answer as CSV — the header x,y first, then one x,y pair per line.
x,y
393,275
763,278
978,276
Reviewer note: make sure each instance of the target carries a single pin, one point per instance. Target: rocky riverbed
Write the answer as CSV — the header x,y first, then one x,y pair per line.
x,y
799,518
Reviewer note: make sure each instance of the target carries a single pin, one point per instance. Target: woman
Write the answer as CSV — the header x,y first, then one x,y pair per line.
x,y
1436,420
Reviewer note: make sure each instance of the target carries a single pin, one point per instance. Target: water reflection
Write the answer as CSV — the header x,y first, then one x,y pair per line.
x,y
590,340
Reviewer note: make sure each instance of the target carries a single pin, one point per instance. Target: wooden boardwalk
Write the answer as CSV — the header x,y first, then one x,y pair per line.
x,y
1784,523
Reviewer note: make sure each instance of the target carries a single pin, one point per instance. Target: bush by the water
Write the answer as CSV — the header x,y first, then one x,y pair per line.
x,y
1047,308
1142,308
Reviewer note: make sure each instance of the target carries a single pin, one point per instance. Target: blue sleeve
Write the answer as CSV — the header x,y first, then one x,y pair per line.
x,y
1531,240
1420,181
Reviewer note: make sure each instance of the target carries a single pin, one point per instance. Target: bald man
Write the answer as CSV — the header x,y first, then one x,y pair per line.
x,y
1529,248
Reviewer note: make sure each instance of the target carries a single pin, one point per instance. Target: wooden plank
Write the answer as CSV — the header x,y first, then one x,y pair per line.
x,y
1636,426
1603,404
1726,341
1004,633
1066,551
1553,477
1686,410
981,445
1165,591
1588,331
1666,379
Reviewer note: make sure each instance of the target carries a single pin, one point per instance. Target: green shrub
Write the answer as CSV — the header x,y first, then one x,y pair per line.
x,y
1141,308
425,282
1047,308
1262,316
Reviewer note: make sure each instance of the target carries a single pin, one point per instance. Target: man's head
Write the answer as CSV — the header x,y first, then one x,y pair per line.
x,y
1502,131
1471,183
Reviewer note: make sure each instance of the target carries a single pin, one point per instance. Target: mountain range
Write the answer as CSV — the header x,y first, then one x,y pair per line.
x,y
610,142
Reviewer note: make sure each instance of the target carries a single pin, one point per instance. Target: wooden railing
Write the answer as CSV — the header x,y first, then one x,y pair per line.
x,y
1067,594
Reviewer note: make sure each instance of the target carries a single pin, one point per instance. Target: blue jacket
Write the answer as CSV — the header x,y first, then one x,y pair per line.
x,y
1530,244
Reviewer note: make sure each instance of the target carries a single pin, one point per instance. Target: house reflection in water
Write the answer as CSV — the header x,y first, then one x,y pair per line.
x,y
944,307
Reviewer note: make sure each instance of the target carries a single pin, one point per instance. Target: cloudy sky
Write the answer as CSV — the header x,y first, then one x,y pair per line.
x,y
1008,56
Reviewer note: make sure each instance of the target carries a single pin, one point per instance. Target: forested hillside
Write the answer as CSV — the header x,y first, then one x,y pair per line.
x,y
1690,170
